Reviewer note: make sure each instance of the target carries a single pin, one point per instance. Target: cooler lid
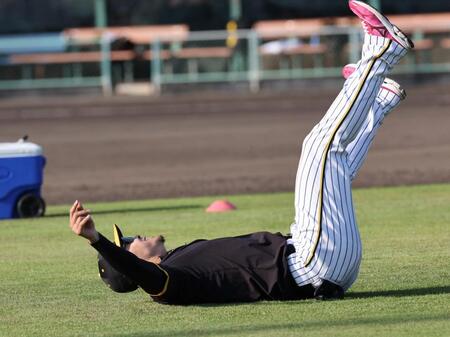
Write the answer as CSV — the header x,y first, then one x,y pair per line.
x,y
19,149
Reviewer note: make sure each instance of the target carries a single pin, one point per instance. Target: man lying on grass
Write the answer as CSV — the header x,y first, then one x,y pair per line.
x,y
322,256
237,269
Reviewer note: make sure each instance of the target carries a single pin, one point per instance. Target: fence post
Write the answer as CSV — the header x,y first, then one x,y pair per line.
x,y
253,62
354,45
155,65
376,4
105,66
101,16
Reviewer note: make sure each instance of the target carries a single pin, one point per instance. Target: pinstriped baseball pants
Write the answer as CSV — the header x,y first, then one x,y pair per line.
x,y
325,233
357,150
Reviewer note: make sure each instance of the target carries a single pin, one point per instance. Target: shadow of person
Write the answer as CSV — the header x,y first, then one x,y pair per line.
x,y
400,292
293,327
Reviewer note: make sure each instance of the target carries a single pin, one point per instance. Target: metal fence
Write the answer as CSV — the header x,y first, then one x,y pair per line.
x,y
215,57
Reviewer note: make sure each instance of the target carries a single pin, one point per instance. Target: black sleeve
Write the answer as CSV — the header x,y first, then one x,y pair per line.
x,y
150,277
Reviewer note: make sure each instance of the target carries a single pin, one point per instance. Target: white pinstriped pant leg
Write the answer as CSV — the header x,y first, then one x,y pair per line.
x,y
357,150
325,234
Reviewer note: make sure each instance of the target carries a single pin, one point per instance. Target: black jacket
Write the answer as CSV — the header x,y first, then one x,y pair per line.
x,y
236,269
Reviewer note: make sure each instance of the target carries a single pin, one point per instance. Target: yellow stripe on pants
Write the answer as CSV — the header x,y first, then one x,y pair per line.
x,y
327,148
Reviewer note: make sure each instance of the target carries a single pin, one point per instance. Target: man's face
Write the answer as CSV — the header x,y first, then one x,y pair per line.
x,y
148,248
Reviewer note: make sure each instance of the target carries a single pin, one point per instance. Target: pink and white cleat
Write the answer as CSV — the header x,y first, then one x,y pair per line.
x,y
388,84
375,23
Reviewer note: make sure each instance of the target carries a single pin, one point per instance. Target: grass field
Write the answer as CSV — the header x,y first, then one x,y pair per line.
x,y
50,287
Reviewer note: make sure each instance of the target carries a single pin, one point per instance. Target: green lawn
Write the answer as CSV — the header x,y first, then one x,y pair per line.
x,y
50,286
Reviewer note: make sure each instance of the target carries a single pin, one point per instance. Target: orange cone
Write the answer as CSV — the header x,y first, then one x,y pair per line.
x,y
220,206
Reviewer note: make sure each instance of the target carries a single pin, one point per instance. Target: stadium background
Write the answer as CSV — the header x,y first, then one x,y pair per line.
x,y
25,16
203,139
217,140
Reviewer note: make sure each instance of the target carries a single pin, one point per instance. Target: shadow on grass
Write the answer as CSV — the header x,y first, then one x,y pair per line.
x,y
351,295
130,210
296,327
234,329
400,292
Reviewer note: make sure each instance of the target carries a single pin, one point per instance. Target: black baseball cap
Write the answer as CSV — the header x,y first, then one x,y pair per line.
x,y
118,282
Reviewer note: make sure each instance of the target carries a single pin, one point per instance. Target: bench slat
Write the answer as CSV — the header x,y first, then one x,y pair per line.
x,y
276,29
286,28
445,43
148,55
306,50
204,52
73,57
135,34
32,43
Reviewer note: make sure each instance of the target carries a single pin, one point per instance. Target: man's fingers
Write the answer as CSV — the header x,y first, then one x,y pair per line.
x,y
79,223
82,213
78,227
76,207
85,220
77,214
73,208
79,218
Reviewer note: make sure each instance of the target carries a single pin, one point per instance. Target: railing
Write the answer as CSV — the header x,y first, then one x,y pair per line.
x,y
320,56
209,57
26,64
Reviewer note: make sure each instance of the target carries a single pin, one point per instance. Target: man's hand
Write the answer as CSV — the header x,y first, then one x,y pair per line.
x,y
81,222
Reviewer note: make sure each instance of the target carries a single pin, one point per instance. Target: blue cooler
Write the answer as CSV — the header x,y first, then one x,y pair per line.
x,y
21,175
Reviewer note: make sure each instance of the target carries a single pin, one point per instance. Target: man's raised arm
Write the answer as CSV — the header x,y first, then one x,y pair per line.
x,y
150,277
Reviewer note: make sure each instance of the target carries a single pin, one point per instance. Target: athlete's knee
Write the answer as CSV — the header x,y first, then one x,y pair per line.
x,y
310,143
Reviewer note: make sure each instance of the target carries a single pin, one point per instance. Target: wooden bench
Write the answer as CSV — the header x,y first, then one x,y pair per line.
x,y
32,43
419,26
136,34
29,44
194,54
71,57
445,43
278,29
301,29
408,23
144,35
89,38
174,35
424,23
203,52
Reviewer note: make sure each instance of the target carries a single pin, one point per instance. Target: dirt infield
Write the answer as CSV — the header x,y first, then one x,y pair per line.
x,y
125,148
